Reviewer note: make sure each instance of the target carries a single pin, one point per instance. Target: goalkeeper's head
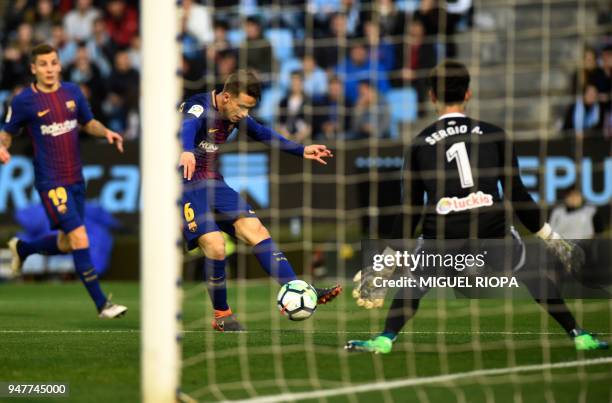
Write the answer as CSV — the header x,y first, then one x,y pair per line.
x,y
449,84
240,94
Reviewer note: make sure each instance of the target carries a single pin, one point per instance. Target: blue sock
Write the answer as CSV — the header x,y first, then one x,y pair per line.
x,y
214,272
87,274
274,261
46,245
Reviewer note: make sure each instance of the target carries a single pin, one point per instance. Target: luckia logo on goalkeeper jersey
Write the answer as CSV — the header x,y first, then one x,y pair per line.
x,y
473,200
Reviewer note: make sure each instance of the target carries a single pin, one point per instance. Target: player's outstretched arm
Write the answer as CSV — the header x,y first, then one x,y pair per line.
x,y
317,152
5,143
97,129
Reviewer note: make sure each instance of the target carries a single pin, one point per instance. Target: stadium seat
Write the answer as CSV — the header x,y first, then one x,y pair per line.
x,y
235,36
282,43
268,106
407,6
403,103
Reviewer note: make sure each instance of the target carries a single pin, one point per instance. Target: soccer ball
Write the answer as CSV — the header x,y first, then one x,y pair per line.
x,y
297,300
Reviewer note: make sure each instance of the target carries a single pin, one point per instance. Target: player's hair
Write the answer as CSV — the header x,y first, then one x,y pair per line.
x,y
42,49
449,81
243,81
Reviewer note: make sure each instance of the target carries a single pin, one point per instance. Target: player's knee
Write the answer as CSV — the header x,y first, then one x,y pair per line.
x,y
213,246
251,231
62,243
77,239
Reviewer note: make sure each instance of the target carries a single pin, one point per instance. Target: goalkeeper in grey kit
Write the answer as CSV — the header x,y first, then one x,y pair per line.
x,y
459,163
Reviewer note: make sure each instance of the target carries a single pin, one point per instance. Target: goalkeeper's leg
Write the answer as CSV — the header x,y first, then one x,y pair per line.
x,y
546,294
400,312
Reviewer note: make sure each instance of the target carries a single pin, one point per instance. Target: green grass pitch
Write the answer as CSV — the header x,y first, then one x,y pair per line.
x,y
49,332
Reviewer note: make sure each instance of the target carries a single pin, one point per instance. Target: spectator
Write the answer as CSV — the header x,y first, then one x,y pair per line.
x,y
84,71
219,44
606,98
66,48
79,22
331,113
295,114
15,68
333,48
226,65
43,19
123,91
584,114
24,38
438,21
574,219
135,54
198,21
257,50
390,19
371,115
358,67
381,51
15,14
419,57
100,47
589,73
315,79
121,22
605,93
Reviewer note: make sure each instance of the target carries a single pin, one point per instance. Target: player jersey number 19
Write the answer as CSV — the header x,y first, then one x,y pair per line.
x,y
458,152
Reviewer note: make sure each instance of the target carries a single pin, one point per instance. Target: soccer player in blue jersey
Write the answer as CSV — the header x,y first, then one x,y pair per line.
x,y
211,206
51,111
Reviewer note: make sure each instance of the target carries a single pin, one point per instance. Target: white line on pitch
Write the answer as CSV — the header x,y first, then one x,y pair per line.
x,y
77,331
401,383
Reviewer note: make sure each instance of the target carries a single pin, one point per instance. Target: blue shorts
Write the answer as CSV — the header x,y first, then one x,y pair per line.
x,y
64,205
211,205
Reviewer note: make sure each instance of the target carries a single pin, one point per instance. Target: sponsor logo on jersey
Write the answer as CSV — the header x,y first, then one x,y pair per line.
x,y
473,200
208,147
196,110
42,113
57,129
71,105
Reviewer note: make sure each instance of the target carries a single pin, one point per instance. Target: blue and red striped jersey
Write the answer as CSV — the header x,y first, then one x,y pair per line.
x,y
51,120
204,130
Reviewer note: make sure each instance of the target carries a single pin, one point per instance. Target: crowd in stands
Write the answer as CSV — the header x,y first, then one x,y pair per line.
x,y
331,69
339,81
99,47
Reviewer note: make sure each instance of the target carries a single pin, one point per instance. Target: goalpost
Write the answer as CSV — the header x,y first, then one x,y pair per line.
x,y
160,254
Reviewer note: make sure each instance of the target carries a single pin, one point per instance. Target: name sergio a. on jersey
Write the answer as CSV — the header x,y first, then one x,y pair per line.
x,y
57,129
433,138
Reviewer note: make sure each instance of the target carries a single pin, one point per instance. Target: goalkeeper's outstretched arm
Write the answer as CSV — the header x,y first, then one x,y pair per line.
x,y
570,254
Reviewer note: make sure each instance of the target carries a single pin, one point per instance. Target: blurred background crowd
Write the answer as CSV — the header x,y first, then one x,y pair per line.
x,y
332,69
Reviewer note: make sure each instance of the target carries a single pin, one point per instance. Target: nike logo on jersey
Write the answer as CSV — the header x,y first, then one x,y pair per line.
x,y
43,113
213,130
